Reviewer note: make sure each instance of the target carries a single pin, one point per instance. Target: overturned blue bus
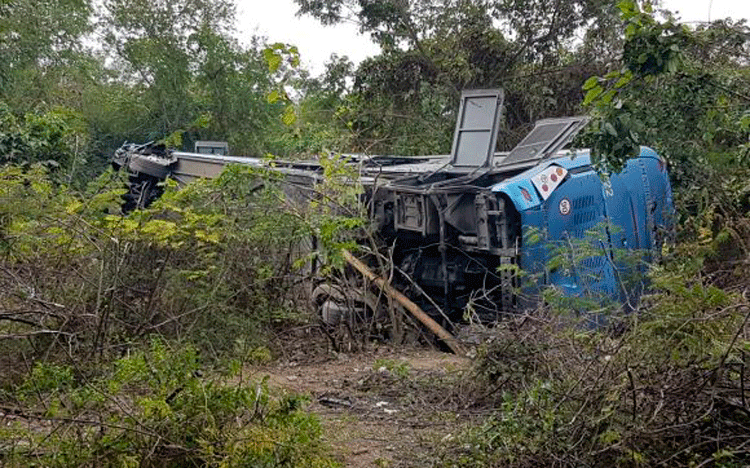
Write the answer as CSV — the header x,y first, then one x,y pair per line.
x,y
463,230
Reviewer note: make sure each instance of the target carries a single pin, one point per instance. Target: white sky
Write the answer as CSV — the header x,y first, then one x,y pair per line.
x,y
277,20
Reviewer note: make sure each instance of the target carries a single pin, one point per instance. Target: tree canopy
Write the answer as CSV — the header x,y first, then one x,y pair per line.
x,y
132,70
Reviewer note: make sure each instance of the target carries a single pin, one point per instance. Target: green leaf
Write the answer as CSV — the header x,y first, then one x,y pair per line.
x,y
273,59
630,30
290,116
273,96
592,95
625,79
612,74
608,96
590,83
745,121
672,65
203,120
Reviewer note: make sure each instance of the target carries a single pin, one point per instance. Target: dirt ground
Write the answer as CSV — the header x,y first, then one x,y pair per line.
x,y
383,407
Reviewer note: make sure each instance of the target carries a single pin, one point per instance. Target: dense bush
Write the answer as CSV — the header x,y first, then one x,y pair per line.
x,y
214,263
667,385
205,275
157,408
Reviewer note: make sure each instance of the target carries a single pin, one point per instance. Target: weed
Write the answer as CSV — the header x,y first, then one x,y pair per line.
x,y
398,368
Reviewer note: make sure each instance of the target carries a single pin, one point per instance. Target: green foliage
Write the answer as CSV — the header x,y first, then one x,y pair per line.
x,y
192,77
398,368
676,89
233,83
403,100
39,34
656,390
55,137
47,379
651,49
279,54
670,91
217,261
337,215
316,120
161,69
31,214
157,408
283,63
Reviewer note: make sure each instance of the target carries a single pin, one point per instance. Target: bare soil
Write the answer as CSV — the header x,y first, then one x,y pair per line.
x,y
383,407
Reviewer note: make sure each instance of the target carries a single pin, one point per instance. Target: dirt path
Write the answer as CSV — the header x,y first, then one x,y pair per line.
x,y
379,408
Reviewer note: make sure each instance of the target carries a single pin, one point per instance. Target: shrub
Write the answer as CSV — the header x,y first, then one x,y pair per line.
x,y
667,385
214,262
156,408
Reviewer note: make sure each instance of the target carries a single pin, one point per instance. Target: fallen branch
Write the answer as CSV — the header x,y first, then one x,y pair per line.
x,y
413,308
20,413
21,336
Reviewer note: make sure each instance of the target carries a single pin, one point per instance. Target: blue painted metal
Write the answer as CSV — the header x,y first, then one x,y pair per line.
x,y
594,217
